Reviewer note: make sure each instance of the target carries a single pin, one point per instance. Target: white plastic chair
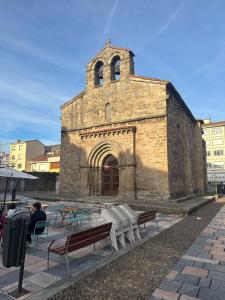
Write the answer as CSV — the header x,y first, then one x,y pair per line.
x,y
128,221
117,228
133,215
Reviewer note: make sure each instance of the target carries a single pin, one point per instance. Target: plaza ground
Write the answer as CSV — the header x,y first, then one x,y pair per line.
x,y
139,273
42,283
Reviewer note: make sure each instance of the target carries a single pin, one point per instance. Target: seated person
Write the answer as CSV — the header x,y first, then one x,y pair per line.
x,y
37,215
2,222
11,209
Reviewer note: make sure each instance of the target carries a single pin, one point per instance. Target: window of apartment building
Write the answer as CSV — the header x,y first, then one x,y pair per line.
x,y
210,176
20,147
217,130
208,143
20,156
206,131
209,165
13,157
217,142
208,153
42,167
218,164
220,176
19,166
13,148
218,152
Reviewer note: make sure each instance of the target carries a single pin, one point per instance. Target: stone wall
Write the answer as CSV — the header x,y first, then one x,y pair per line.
x,y
143,122
46,182
185,149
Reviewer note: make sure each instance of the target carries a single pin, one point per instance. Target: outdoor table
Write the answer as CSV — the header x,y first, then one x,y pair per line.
x,y
9,202
43,207
67,210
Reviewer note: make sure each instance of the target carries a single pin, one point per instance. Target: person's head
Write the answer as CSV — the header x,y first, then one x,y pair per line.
x,y
36,206
12,206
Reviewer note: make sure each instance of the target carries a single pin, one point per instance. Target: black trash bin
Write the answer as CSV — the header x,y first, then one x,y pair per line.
x,y
14,238
14,242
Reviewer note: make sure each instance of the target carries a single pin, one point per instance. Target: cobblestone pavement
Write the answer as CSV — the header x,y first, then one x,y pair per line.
x,y
200,273
36,276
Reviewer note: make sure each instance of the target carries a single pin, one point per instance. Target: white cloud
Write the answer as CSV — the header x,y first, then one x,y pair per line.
x,y
109,20
52,56
164,27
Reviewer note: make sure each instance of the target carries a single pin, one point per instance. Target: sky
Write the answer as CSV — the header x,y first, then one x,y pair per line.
x,y
46,44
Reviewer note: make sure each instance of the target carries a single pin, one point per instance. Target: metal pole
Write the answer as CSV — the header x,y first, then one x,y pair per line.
x,y
7,182
23,252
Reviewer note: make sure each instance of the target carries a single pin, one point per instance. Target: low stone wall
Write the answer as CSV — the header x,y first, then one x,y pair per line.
x,y
46,182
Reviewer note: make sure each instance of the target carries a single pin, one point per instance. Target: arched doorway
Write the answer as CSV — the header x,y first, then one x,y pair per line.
x,y
110,176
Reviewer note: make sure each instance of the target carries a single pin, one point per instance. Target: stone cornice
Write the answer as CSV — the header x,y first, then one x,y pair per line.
x,y
107,132
63,130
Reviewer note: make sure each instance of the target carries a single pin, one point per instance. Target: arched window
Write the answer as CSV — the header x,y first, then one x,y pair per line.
x,y
115,68
108,112
99,73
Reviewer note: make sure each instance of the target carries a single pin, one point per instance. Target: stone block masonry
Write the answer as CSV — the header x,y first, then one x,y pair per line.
x,y
141,124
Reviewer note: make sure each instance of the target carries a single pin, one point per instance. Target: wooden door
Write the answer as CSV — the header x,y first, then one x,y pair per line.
x,y
110,176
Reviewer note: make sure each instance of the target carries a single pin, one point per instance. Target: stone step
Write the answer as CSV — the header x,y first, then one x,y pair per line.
x,y
185,198
185,208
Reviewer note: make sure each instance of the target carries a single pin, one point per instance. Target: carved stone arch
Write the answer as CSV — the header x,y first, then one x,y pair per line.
x,y
101,150
95,164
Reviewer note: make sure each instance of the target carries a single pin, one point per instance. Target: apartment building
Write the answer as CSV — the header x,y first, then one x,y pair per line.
x,y
214,136
21,152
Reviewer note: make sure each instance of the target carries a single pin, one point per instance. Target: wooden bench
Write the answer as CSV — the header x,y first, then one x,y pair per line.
x,y
79,240
147,217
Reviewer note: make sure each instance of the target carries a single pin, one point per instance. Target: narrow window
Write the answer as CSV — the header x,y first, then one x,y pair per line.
x,y
108,112
115,68
99,73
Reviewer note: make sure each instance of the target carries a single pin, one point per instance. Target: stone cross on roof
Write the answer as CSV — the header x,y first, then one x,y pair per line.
x,y
108,43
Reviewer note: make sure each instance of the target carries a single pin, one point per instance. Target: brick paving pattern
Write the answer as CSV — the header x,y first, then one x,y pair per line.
x,y
200,273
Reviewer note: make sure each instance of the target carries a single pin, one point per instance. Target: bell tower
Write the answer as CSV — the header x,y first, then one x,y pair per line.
x,y
111,64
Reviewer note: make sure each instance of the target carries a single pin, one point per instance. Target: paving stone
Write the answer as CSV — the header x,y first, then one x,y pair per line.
x,y
170,285
204,282
209,294
189,289
185,297
216,275
43,279
218,251
186,262
195,271
204,255
219,257
192,252
165,295
5,297
171,275
198,264
187,278
214,267
217,285
12,277
204,260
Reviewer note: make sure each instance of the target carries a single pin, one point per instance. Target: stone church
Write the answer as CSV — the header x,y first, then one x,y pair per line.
x,y
129,136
